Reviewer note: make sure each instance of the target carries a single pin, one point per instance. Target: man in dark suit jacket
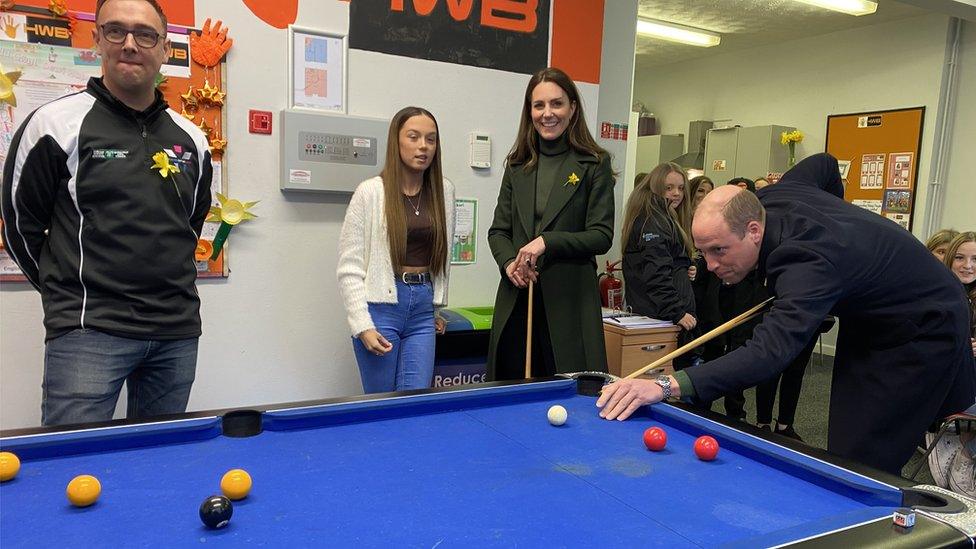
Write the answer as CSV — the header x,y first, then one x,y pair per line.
x,y
903,355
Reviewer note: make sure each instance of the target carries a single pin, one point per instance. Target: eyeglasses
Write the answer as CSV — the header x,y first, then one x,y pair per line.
x,y
144,38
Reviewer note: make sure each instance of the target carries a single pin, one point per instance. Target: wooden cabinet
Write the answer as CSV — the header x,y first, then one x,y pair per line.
x,y
629,350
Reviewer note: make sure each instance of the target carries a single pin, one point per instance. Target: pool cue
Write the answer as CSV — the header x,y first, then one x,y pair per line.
x,y
528,335
744,317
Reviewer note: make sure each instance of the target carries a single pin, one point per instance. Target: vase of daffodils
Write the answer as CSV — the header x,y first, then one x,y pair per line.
x,y
790,139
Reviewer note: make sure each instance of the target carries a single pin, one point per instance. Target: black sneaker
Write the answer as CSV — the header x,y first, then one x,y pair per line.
x,y
788,432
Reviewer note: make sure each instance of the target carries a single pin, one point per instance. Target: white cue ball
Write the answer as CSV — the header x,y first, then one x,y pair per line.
x,y
557,415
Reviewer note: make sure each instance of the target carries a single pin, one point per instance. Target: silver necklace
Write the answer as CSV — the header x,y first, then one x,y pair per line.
x,y
416,207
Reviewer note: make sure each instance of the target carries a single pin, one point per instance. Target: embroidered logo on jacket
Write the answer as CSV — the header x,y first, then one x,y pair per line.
x,y
647,237
179,155
107,154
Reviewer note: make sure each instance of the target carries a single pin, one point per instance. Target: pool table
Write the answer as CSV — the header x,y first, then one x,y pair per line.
x,y
478,466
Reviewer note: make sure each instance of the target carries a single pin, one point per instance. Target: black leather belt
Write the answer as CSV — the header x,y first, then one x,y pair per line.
x,y
415,278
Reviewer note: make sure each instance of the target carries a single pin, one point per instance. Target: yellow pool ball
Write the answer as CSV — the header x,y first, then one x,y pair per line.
x,y
83,490
236,484
9,465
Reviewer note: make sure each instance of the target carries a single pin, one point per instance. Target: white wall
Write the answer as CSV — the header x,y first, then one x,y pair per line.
x,y
886,66
616,88
960,204
275,330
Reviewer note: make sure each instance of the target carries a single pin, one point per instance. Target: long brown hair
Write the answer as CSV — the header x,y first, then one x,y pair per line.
x,y
959,240
941,238
647,200
525,151
695,184
432,190
685,211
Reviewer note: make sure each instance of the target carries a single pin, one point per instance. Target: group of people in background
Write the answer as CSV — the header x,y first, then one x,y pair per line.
x,y
665,277
555,214
952,460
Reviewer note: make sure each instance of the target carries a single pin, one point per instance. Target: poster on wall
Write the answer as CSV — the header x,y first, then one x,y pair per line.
x,y
497,34
869,205
897,201
178,63
872,171
899,218
47,73
463,249
317,70
900,170
845,168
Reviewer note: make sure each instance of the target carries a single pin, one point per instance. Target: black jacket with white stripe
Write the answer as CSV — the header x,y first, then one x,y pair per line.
x,y
107,240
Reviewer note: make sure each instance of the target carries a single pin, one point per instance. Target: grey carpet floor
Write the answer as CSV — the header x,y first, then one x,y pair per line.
x,y
811,412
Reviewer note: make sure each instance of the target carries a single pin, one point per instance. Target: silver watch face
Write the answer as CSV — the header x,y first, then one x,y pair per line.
x,y
665,384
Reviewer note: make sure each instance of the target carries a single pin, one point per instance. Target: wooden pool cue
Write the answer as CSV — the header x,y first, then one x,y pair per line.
x,y
528,335
744,317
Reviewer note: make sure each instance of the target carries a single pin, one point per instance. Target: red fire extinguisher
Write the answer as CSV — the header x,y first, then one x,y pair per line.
x,y
611,287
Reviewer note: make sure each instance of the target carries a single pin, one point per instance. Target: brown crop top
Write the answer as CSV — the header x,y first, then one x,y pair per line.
x,y
420,232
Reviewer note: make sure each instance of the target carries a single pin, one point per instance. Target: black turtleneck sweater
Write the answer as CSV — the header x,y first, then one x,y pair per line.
x,y
553,156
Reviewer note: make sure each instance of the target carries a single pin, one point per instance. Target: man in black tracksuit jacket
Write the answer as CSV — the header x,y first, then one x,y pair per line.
x,y
107,239
904,357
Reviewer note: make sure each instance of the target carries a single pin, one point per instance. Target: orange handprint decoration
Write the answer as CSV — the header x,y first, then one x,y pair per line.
x,y
9,28
209,46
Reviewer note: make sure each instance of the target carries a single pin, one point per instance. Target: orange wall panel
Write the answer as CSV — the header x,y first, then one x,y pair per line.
x,y
577,38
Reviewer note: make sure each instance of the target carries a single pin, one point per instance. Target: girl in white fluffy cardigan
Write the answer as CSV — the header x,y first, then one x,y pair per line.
x,y
391,281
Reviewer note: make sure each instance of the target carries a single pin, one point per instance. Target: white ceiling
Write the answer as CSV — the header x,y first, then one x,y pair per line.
x,y
748,23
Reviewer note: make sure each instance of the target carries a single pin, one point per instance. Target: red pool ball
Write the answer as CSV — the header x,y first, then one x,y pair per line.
x,y
706,448
655,439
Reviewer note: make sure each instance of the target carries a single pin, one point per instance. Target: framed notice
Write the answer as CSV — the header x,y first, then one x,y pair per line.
x,y
317,69
872,170
881,153
900,169
464,247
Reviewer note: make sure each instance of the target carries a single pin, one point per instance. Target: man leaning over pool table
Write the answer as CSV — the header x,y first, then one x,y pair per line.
x,y
903,358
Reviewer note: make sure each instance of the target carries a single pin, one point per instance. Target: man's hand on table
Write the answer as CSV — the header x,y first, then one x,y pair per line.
x,y
622,398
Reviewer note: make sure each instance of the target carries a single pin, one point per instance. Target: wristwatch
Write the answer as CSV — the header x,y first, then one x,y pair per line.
x,y
665,383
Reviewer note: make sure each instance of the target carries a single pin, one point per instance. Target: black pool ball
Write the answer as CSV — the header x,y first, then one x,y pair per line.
x,y
215,511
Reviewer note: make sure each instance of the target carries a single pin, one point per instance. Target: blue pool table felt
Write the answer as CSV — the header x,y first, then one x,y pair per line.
x,y
497,475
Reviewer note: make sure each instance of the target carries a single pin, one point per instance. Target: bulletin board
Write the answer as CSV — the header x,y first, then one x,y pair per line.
x,y
56,56
879,154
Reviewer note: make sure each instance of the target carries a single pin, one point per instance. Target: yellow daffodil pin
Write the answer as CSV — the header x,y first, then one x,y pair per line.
x,y
572,180
161,163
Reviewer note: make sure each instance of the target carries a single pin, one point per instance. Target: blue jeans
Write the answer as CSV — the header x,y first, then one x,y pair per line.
x,y
84,370
408,325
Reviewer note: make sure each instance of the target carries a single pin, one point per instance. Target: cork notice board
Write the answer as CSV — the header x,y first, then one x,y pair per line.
x,y
878,153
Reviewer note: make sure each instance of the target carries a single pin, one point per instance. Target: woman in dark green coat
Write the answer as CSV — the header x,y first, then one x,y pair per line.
x,y
554,215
